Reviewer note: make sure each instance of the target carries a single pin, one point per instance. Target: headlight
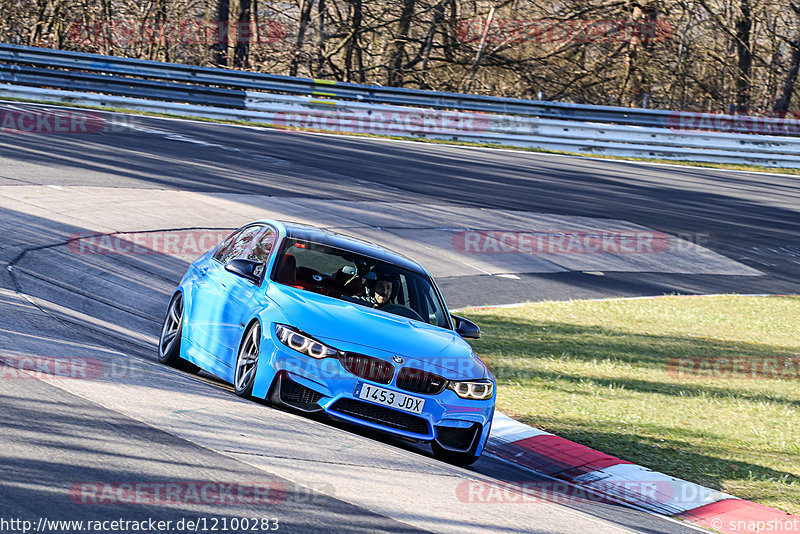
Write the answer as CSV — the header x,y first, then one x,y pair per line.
x,y
472,389
296,340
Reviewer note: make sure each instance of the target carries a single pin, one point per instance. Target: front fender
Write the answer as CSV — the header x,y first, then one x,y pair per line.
x,y
266,370
484,439
187,286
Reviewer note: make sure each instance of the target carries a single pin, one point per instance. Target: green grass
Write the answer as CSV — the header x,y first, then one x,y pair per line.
x,y
596,372
731,166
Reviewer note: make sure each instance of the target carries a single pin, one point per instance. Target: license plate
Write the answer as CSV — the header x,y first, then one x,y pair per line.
x,y
387,397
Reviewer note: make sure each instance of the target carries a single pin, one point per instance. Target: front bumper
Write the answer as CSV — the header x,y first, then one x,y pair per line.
x,y
313,385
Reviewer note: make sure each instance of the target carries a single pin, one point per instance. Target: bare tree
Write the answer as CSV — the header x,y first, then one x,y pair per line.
x,y
241,50
221,21
353,44
782,105
305,18
744,25
397,46
706,55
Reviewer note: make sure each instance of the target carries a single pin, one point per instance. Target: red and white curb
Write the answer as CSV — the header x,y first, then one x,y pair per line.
x,y
631,484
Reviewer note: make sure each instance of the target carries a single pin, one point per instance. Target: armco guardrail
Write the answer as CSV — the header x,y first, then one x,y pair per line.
x,y
47,59
59,76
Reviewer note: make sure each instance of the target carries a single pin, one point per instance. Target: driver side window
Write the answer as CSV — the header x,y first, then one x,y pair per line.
x,y
237,244
225,245
263,246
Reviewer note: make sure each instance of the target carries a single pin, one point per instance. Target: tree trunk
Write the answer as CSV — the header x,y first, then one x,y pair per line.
x,y
35,35
782,105
427,45
256,36
353,45
220,47
160,43
744,55
243,28
107,28
631,93
639,53
305,17
320,45
451,41
397,49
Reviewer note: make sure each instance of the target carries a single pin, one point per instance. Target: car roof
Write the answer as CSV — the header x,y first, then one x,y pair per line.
x,y
324,236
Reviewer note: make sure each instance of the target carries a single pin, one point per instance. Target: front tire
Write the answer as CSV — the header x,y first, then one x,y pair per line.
x,y
244,376
169,343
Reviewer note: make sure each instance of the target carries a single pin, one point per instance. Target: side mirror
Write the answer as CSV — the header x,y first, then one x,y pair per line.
x,y
247,269
466,328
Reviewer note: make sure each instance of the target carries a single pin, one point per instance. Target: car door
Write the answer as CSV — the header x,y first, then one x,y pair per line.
x,y
198,301
242,297
212,309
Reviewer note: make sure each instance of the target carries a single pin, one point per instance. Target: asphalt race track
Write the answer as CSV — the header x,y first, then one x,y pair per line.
x,y
134,421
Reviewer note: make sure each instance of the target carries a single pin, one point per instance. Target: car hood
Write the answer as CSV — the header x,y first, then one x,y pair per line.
x,y
354,328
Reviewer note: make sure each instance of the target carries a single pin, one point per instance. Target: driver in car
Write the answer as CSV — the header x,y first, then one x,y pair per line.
x,y
381,292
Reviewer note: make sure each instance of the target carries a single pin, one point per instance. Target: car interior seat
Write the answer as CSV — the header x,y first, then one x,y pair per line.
x,y
287,271
346,283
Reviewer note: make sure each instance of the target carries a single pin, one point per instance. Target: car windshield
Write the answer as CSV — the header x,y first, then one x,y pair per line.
x,y
352,277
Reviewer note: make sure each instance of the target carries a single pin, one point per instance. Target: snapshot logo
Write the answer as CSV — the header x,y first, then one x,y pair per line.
x,y
560,242
50,368
175,242
396,122
194,31
773,368
475,492
790,524
506,31
775,124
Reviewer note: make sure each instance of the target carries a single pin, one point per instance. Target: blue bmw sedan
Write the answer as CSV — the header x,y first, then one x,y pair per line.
x,y
318,321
